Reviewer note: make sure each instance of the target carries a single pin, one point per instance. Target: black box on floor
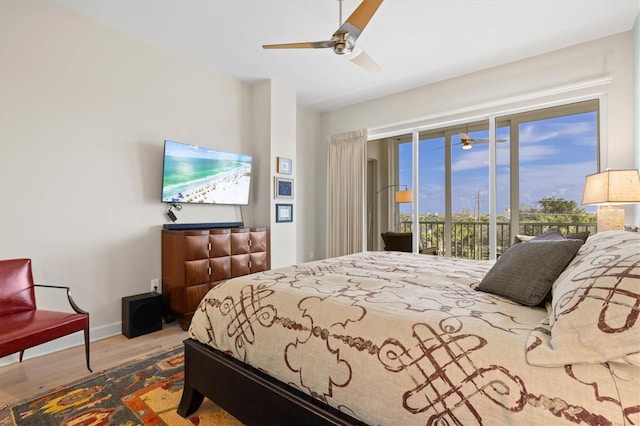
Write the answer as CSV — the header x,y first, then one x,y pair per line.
x,y
141,314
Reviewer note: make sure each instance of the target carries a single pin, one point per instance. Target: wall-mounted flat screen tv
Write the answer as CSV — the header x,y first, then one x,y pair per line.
x,y
195,174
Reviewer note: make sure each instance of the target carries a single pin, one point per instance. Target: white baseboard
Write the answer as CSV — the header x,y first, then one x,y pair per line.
x,y
70,341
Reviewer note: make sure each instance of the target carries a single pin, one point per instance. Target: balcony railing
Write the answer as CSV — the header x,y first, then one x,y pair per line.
x,y
471,239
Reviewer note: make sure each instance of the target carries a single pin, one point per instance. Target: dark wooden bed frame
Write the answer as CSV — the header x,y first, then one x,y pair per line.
x,y
248,394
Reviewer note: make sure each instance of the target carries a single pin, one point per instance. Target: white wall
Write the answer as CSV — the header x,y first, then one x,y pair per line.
x,y
84,111
466,95
282,141
261,134
307,174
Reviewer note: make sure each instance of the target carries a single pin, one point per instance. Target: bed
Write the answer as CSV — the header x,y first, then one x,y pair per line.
x,y
548,334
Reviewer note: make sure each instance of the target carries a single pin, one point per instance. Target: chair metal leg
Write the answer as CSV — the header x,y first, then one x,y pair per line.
x,y
21,353
86,347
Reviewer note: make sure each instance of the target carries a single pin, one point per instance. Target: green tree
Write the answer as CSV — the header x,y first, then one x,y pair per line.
x,y
559,206
554,209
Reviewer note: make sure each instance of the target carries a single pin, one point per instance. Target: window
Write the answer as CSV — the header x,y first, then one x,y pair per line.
x,y
542,158
556,147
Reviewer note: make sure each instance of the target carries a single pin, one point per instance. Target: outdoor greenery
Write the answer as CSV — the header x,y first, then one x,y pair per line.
x,y
470,232
556,210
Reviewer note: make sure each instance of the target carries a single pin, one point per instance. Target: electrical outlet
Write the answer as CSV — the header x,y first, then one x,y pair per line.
x,y
155,285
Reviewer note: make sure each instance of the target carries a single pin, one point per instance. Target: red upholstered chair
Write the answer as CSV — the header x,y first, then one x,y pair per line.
x,y
24,326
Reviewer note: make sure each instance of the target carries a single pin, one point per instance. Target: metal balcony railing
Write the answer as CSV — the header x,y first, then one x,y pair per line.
x,y
470,240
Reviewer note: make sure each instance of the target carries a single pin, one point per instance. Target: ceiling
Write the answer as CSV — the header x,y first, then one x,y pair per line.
x,y
415,42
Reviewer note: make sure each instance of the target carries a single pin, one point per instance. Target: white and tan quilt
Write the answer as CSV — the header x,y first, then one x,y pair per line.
x,y
395,338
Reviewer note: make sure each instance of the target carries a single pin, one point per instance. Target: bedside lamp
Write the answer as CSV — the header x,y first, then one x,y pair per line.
x,y
609,189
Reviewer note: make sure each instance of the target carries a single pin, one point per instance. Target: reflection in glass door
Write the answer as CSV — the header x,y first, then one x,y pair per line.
x,y
388,164
470,193
453,191
470,190
432,194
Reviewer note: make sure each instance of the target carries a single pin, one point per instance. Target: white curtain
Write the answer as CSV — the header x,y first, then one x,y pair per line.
x,y
345,192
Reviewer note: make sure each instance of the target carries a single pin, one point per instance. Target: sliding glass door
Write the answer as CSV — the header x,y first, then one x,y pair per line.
x,y
537,165
432,193
557,148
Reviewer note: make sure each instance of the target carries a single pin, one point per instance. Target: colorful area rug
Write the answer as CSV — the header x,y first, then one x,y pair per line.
x,y
146,392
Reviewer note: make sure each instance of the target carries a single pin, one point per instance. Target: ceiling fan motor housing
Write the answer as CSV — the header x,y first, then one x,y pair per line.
x,y
343,42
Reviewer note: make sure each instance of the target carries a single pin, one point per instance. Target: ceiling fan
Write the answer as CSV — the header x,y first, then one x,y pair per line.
x,y
343,41
467,142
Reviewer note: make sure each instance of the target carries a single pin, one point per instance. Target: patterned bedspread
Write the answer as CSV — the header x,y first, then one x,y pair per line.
x,y
401,339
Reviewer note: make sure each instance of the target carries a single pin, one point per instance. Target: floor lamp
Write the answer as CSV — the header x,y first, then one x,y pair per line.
x,y
610,189
402,196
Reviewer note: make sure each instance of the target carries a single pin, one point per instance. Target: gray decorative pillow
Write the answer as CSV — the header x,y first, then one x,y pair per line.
x,y
552,234
526,272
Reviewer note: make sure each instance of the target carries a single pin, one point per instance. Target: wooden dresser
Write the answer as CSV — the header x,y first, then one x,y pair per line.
x,y
194,261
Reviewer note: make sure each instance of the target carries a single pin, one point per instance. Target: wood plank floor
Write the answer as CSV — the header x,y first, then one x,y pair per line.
x,y
35,376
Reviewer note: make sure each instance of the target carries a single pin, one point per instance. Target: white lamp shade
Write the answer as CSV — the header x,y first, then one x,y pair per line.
x,y
612,187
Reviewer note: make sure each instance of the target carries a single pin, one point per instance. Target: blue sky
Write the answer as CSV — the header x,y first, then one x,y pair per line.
x,y
555,156
179,149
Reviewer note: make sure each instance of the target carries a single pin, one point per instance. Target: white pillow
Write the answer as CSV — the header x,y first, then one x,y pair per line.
x,y
595,306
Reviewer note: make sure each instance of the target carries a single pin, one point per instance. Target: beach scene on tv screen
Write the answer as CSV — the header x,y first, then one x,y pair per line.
x,y
194,174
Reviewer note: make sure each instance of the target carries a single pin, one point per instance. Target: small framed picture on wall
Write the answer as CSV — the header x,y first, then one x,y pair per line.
x,y
284,213
284,166
283,188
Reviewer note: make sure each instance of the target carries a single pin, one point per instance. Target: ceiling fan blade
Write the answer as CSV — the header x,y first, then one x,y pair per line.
x,y
303,45
359,19
363,14
363,60
487,140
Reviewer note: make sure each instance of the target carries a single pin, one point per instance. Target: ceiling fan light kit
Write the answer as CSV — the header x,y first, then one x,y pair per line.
x,y
466,141
343,41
